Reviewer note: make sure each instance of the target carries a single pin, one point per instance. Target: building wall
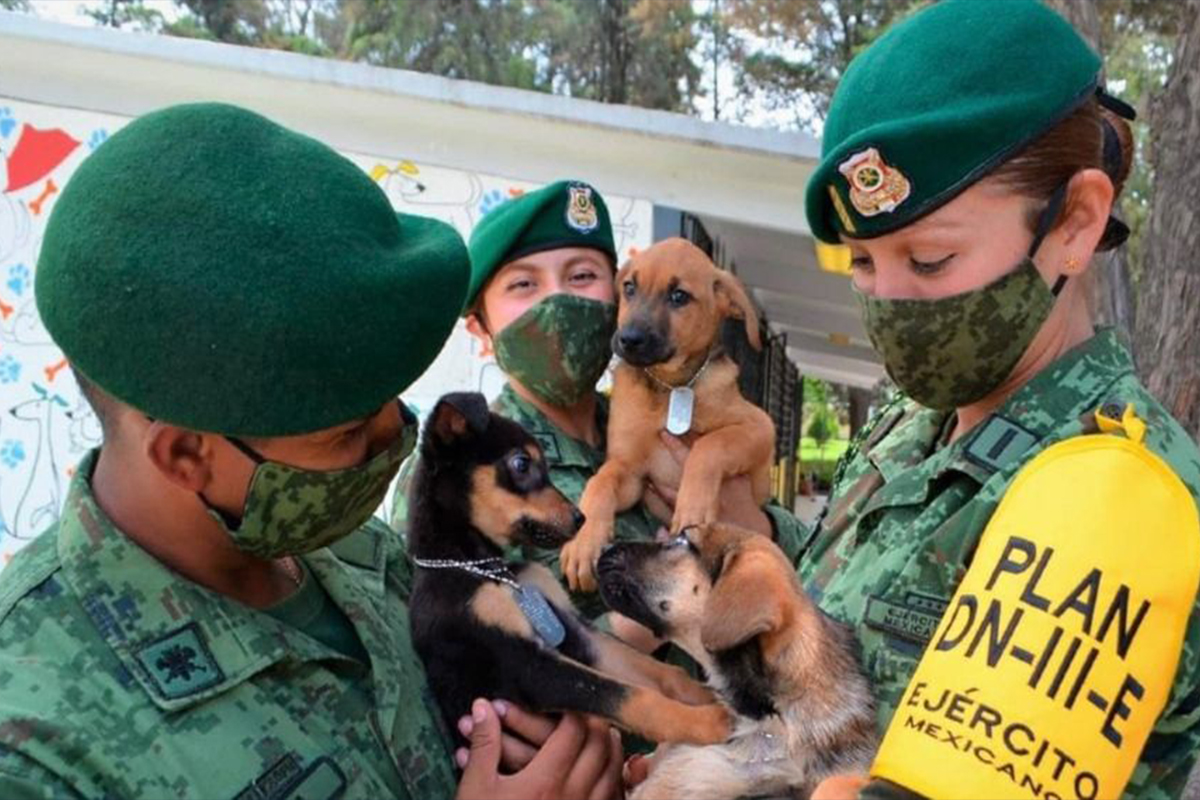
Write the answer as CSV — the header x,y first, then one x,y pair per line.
x,y
45,426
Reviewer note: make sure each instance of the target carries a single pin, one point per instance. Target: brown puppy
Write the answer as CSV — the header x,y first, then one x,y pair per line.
x,y
731,600
673,301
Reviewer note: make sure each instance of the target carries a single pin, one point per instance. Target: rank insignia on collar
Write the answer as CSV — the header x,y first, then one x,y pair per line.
x,y
581,210
875,187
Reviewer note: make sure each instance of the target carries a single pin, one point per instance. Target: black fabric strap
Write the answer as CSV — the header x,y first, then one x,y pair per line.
x,y
1048,217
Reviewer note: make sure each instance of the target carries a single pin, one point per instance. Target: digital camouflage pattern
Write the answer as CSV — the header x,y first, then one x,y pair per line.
x,y
950,352
290,510
906,515
559,347
119,678
572,463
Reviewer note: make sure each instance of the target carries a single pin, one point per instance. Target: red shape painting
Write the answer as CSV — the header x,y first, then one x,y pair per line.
x,y
36,155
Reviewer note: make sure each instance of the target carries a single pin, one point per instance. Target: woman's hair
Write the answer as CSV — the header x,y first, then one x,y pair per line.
x,y
1090,137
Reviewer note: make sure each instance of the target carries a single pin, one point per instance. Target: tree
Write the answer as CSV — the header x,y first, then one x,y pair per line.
x,y
1168,318
792,53
14,5
131,14
822,428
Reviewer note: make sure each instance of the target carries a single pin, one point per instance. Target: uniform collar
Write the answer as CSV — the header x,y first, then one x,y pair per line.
x,y
179,641
560,449
1051,404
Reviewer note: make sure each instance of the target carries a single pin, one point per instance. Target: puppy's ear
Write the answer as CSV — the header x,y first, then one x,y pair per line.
x,y
744,603
458,414
734,303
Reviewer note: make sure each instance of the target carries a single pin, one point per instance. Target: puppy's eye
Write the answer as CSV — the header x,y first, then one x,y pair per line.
x,y
678,298
520,463
664,605
629,288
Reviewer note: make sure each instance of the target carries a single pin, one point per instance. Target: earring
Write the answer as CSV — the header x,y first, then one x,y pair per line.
x,y
1072,264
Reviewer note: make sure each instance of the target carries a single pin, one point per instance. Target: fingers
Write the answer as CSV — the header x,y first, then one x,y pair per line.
x,y
483,760
839,787
563,744
611,783
660,500
533,728
592,760
675,446
637,769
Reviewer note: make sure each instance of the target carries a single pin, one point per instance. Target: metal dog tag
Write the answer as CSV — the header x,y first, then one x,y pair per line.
x,y
541,616
679,411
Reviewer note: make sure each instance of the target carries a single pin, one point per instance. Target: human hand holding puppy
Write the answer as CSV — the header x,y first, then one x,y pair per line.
x,y
517,754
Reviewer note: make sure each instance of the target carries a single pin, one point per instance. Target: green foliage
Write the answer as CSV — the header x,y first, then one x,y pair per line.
x,y
15,5
822,427
128,14
791,53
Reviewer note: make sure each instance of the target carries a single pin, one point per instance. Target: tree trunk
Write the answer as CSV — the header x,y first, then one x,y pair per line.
x,y
1110,290
1168,330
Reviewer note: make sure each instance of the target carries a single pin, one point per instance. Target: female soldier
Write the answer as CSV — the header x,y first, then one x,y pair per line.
x,y
970,161
541,299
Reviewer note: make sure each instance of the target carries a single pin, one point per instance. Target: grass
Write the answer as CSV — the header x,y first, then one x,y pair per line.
x,y
810,453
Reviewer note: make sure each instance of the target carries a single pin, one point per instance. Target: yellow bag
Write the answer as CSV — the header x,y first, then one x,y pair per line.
x,y
1057,653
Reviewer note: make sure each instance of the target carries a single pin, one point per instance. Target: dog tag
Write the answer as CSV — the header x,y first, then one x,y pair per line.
x,y
541,616
679,411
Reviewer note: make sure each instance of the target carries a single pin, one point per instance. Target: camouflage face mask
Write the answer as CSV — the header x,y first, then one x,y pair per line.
x,y
950,352
290,510
559,348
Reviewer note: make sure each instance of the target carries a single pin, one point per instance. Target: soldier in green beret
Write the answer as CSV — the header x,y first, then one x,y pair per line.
x,y
541,299
217,613
970,161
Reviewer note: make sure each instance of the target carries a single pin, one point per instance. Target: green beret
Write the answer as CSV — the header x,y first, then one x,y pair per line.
x,y
222,273
563,214
935,104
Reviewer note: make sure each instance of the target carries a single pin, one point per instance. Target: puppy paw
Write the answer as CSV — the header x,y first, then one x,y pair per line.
x,y
712,725
578,561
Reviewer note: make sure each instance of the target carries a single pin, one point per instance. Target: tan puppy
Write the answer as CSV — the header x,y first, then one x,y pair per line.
x,y
730,599
673,300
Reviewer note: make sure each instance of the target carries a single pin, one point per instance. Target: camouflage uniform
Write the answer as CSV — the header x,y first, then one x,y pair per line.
x,y
908,512
572,463
119,678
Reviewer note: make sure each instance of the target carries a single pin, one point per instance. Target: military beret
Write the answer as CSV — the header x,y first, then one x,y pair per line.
x,y
223,273
935,104
563,214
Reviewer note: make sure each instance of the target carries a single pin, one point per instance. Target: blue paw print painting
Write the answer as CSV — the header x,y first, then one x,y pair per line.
x,y
12,452
18,278
10,369
490,200
7,123
97,138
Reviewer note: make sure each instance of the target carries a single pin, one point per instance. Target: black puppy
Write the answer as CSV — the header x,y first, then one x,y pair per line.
x,y
487,627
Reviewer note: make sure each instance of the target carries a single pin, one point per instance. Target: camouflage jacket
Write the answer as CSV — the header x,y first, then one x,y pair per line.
x,y
572,463
119,678
906,515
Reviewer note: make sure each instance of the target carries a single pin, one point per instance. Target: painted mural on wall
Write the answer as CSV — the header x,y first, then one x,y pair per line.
x,y
45,426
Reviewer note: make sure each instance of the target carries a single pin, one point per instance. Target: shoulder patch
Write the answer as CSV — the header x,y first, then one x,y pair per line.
x,y
180,664
999,442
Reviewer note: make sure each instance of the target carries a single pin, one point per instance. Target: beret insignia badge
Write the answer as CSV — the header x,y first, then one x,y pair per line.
x,y
875,187
581,210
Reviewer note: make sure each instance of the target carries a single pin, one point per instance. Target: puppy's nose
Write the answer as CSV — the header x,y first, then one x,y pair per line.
x,y
632,339
577,518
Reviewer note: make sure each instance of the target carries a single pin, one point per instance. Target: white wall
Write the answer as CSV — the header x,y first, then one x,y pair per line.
x,y
47,427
